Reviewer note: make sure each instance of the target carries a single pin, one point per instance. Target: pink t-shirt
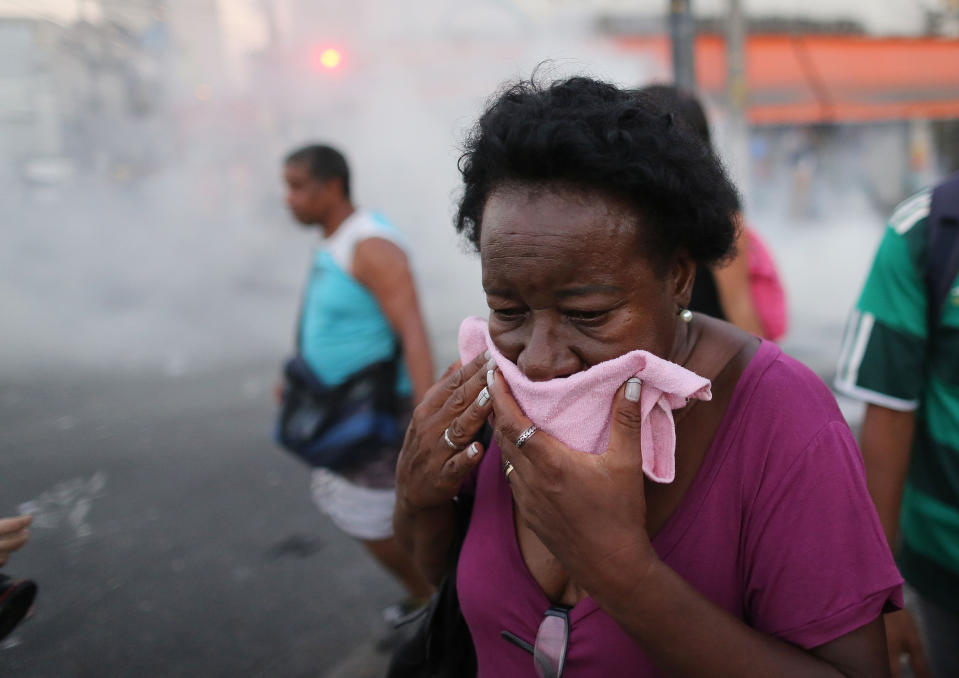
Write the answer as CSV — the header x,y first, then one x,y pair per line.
x,y
777,529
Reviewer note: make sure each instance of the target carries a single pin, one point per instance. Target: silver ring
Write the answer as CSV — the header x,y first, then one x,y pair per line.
x,y
450,443
526,435
508,468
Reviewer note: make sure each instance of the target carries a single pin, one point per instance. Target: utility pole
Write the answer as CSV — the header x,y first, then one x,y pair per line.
x,y
272,30
737,96
275,73
682,32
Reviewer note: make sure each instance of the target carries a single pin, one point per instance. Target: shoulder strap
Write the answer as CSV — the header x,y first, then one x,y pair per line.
x,y
942,246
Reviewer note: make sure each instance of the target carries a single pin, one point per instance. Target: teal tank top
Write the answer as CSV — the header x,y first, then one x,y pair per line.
x,y
342,328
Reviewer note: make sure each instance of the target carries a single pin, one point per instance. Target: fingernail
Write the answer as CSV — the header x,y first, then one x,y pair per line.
x,y
490,364
472,450
489,378
633,387
483,397
487,355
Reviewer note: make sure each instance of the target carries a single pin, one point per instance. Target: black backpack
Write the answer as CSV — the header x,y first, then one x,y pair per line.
x,y
942,246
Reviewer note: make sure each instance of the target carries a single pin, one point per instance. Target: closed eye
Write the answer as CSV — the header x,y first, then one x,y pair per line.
x,y
508,313
586,315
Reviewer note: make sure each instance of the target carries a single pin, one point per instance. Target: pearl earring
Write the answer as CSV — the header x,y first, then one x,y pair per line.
x,y
685,315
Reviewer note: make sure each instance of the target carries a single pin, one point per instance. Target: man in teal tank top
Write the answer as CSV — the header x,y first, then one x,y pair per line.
x,y
359,301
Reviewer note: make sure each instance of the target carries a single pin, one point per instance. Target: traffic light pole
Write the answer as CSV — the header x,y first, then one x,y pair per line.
x,y
737,146
682,32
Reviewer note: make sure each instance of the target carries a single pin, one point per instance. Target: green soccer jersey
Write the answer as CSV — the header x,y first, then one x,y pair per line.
x,y
889,357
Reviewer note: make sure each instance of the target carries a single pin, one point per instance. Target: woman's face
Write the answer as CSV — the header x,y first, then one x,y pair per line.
x,y
567,283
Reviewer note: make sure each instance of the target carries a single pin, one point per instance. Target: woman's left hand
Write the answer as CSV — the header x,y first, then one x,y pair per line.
x,y
589,510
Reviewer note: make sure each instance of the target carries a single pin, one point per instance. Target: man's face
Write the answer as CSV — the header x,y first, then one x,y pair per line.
x,y
308,198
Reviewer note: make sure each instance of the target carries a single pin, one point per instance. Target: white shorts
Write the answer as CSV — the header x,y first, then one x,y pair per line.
x,y
362,512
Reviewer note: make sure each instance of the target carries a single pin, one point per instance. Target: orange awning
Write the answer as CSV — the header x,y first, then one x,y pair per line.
x,y
819,78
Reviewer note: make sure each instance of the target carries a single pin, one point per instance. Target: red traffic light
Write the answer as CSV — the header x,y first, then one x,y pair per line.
x,y
326,58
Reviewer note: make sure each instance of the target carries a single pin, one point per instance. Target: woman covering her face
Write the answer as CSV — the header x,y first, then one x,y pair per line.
x,y
591,210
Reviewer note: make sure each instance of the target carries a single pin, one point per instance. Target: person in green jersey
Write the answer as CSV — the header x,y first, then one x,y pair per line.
x,y
906,368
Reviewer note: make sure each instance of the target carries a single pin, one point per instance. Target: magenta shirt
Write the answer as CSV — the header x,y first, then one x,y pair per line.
x,y
777,529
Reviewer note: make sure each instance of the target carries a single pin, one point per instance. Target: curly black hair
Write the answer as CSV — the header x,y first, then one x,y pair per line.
x,y
583,133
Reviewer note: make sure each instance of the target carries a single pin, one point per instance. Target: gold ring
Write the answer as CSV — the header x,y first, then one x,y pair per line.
x,y
508,468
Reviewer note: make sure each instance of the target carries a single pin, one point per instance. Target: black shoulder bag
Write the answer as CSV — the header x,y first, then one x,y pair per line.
x,y
338,427
942,246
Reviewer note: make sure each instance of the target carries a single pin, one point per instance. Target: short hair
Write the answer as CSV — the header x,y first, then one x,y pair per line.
x,y
324,163
587,134
684,104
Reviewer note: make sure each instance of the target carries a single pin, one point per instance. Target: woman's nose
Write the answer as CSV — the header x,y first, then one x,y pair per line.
x,y
545,356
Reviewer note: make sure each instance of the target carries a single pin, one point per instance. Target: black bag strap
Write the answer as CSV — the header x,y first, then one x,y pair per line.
x,y
942,246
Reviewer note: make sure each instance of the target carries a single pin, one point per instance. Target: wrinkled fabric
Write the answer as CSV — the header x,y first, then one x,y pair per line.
x,y
576,409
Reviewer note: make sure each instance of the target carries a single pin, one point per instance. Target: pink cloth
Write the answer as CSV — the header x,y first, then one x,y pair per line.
x,y
576,409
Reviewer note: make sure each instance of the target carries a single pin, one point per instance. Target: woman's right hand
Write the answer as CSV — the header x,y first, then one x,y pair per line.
x,y
429,472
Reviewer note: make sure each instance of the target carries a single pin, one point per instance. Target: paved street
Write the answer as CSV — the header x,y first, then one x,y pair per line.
x,y
172,539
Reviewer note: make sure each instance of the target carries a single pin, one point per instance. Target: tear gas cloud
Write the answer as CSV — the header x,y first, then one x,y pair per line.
x,y
145,227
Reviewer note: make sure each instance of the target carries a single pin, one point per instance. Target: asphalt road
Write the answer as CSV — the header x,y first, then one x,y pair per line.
x,y
171,538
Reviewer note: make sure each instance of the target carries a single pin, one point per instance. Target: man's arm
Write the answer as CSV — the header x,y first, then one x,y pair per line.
x,y
886,440
382,267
